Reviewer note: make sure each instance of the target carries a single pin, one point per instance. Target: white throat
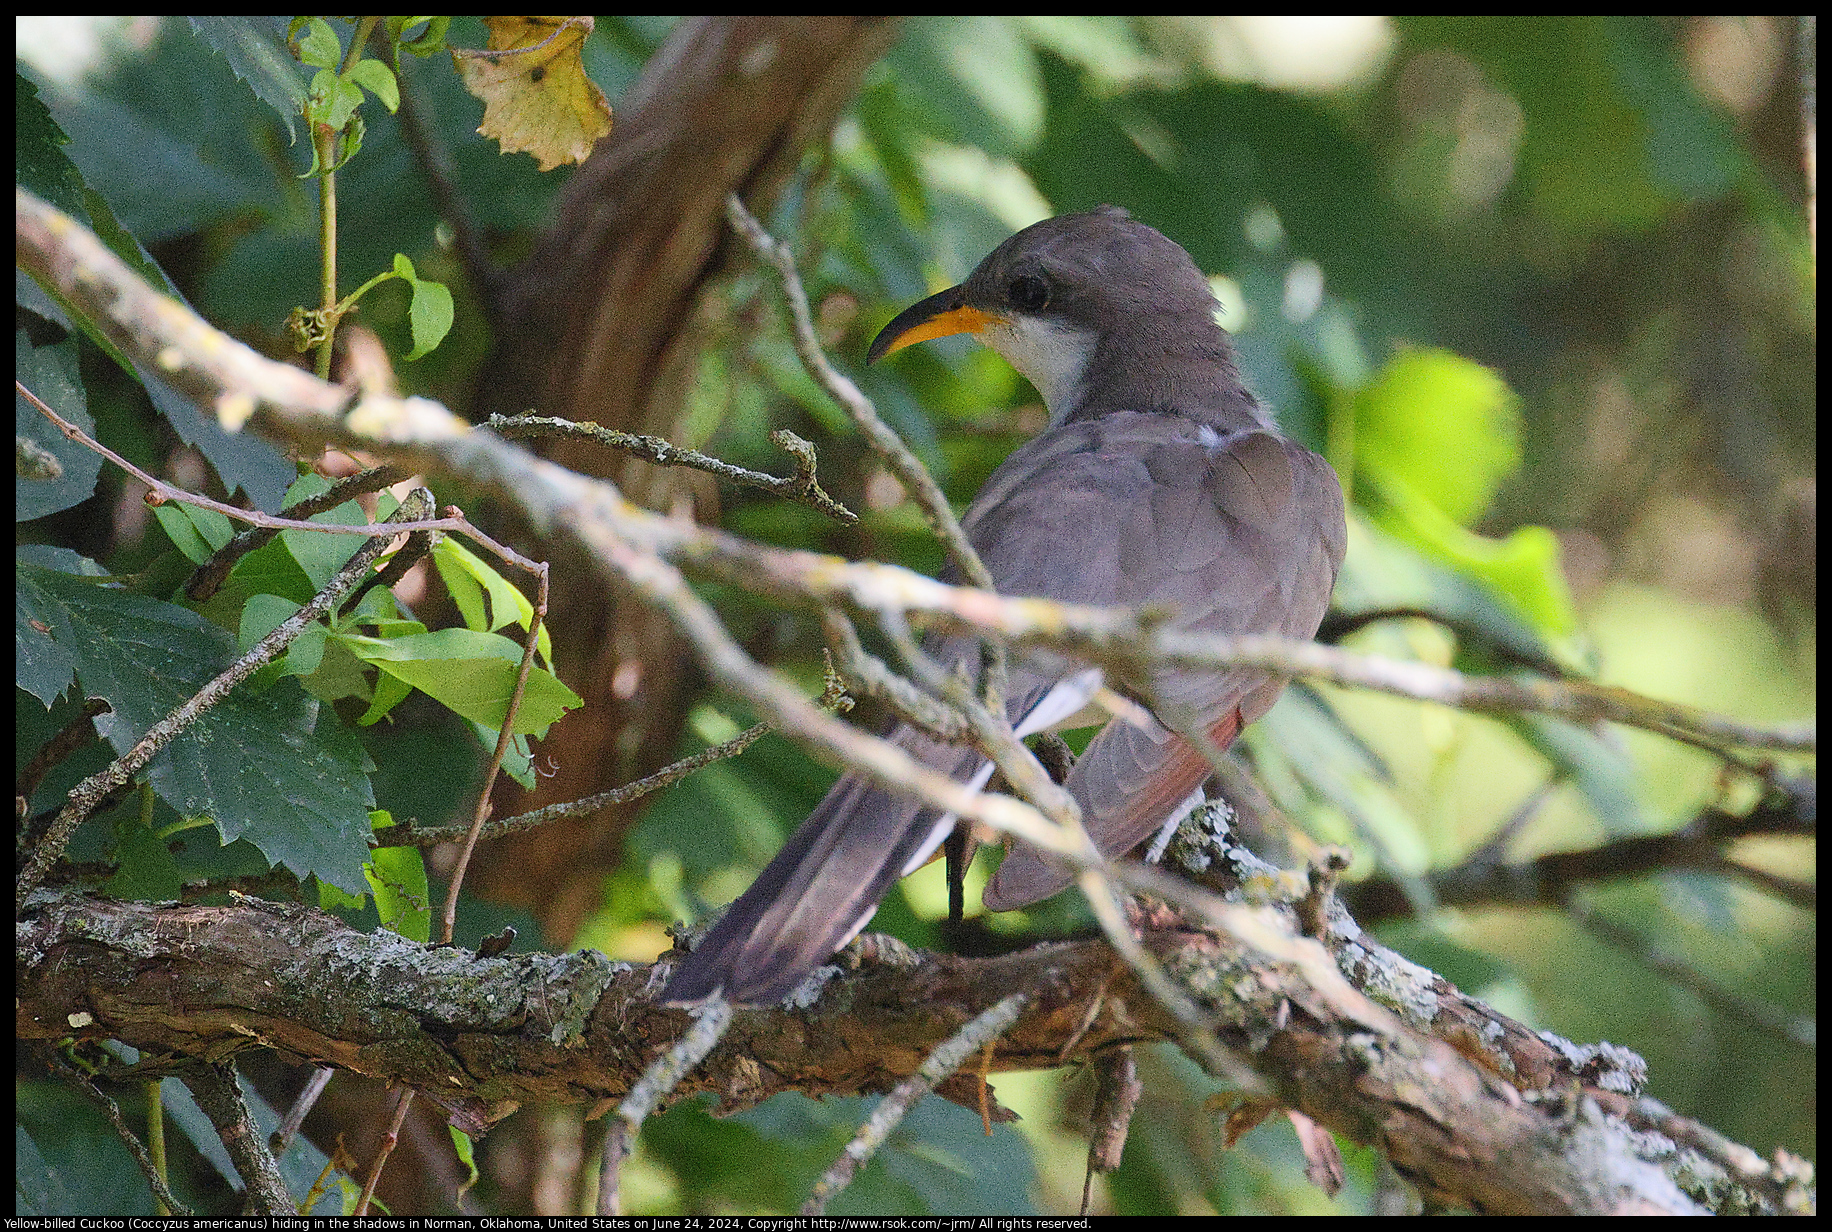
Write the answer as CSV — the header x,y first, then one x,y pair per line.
x,y
1052,356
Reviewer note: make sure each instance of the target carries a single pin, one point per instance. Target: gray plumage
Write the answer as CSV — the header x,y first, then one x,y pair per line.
x,y
1159,482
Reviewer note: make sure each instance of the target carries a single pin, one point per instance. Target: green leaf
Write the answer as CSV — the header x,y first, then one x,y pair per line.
x,y
318,46
461,1146
388,693
378,79
430,41
197,532
471,673
1523,567
1446,426
345,97
262,614
51,373
464,589
276,769
463,571
258,58
430,314
397,876
182,532
148,871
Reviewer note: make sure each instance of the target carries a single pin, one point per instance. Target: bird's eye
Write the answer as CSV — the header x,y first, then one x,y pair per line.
x,y
1028,293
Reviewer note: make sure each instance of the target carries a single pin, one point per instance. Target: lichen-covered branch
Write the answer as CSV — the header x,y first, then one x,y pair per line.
x,y
483,1035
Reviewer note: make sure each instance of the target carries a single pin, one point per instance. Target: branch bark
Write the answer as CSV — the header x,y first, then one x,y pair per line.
x,y
481,1036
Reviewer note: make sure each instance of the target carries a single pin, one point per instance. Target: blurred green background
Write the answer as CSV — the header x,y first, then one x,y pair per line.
x,y
1542,289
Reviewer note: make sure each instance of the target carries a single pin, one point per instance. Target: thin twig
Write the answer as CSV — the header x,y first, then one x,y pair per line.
x,y
235,383
161,492
803,486
449,917
207,577
674,772
403,1100
832,698
910,703
142,1159
664,1074
905,465
947,1057
76,734
289,1125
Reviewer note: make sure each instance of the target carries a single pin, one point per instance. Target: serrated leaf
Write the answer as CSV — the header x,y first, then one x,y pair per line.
x,y
257,55
51,373
269,768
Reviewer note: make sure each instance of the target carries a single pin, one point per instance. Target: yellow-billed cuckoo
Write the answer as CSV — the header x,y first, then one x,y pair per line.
x,y
1159,482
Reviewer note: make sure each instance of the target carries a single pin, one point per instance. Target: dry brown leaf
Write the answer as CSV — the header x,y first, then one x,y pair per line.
x,y
1322,1157
536,98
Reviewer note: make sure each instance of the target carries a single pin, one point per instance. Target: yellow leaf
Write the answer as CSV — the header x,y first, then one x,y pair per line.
x,y
536,97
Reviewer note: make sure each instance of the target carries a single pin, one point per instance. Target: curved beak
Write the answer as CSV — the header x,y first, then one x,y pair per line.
x,y
942,315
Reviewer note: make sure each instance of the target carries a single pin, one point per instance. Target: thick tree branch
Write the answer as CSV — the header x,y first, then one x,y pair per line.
x,y
481,1036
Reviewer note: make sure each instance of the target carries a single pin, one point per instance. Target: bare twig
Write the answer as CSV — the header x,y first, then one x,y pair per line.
x,y
803,486
403,1100
832,698
135,1147
208,576
662,1076
449,916
1115,1099
289,1125
75,734
947,1057
414,836
905,465
887,444
161,491
236,383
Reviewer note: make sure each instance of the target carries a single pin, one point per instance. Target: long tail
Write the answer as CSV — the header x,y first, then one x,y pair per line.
x,y
815,896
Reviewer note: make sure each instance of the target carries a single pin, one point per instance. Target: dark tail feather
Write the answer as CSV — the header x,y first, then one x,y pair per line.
x,y
810,900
